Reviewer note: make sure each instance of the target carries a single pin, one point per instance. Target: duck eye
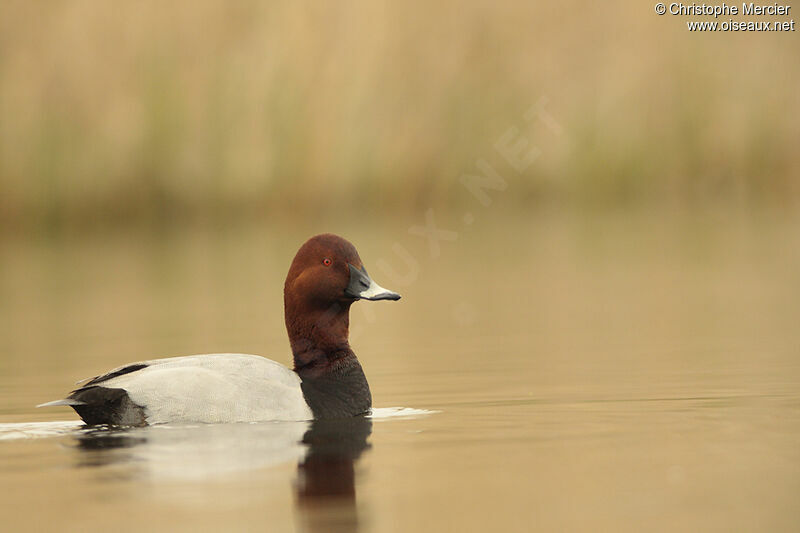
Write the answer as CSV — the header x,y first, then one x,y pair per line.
x,y
326,262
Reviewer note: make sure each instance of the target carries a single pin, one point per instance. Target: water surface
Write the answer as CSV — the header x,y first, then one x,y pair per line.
x,y
619,372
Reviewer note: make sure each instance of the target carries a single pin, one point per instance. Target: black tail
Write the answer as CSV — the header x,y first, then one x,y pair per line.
x,y
102,405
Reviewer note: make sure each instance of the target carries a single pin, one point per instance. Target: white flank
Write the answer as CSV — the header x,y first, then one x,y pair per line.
x,y
215,388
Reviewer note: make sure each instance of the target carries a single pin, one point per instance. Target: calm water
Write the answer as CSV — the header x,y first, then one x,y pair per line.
x,y
625,372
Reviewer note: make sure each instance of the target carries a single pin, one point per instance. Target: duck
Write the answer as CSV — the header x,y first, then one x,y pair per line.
x,y
327,381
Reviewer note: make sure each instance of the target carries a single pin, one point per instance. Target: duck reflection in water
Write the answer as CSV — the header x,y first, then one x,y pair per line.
x,y
326,487
325,451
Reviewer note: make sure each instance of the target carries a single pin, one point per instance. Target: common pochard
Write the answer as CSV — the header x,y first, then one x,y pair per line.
x,y
325,278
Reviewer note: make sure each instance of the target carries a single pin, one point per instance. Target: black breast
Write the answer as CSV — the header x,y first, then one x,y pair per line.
x,y
340,393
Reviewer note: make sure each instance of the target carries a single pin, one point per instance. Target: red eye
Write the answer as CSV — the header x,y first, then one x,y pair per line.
x,y
326,262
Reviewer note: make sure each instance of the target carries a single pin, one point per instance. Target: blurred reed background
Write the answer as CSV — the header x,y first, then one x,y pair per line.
x,y
150,112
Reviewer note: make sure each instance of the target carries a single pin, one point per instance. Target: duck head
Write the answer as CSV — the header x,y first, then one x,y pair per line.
x,y
325,278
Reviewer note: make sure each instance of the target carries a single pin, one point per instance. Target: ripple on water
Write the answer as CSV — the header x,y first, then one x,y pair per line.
x,y
36,430
382,413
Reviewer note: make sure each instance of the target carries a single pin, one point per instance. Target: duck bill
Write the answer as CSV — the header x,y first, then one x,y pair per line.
x,y
361,287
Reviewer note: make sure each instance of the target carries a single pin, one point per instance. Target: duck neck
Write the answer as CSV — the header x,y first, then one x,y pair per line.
x,y
332,380
319,338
